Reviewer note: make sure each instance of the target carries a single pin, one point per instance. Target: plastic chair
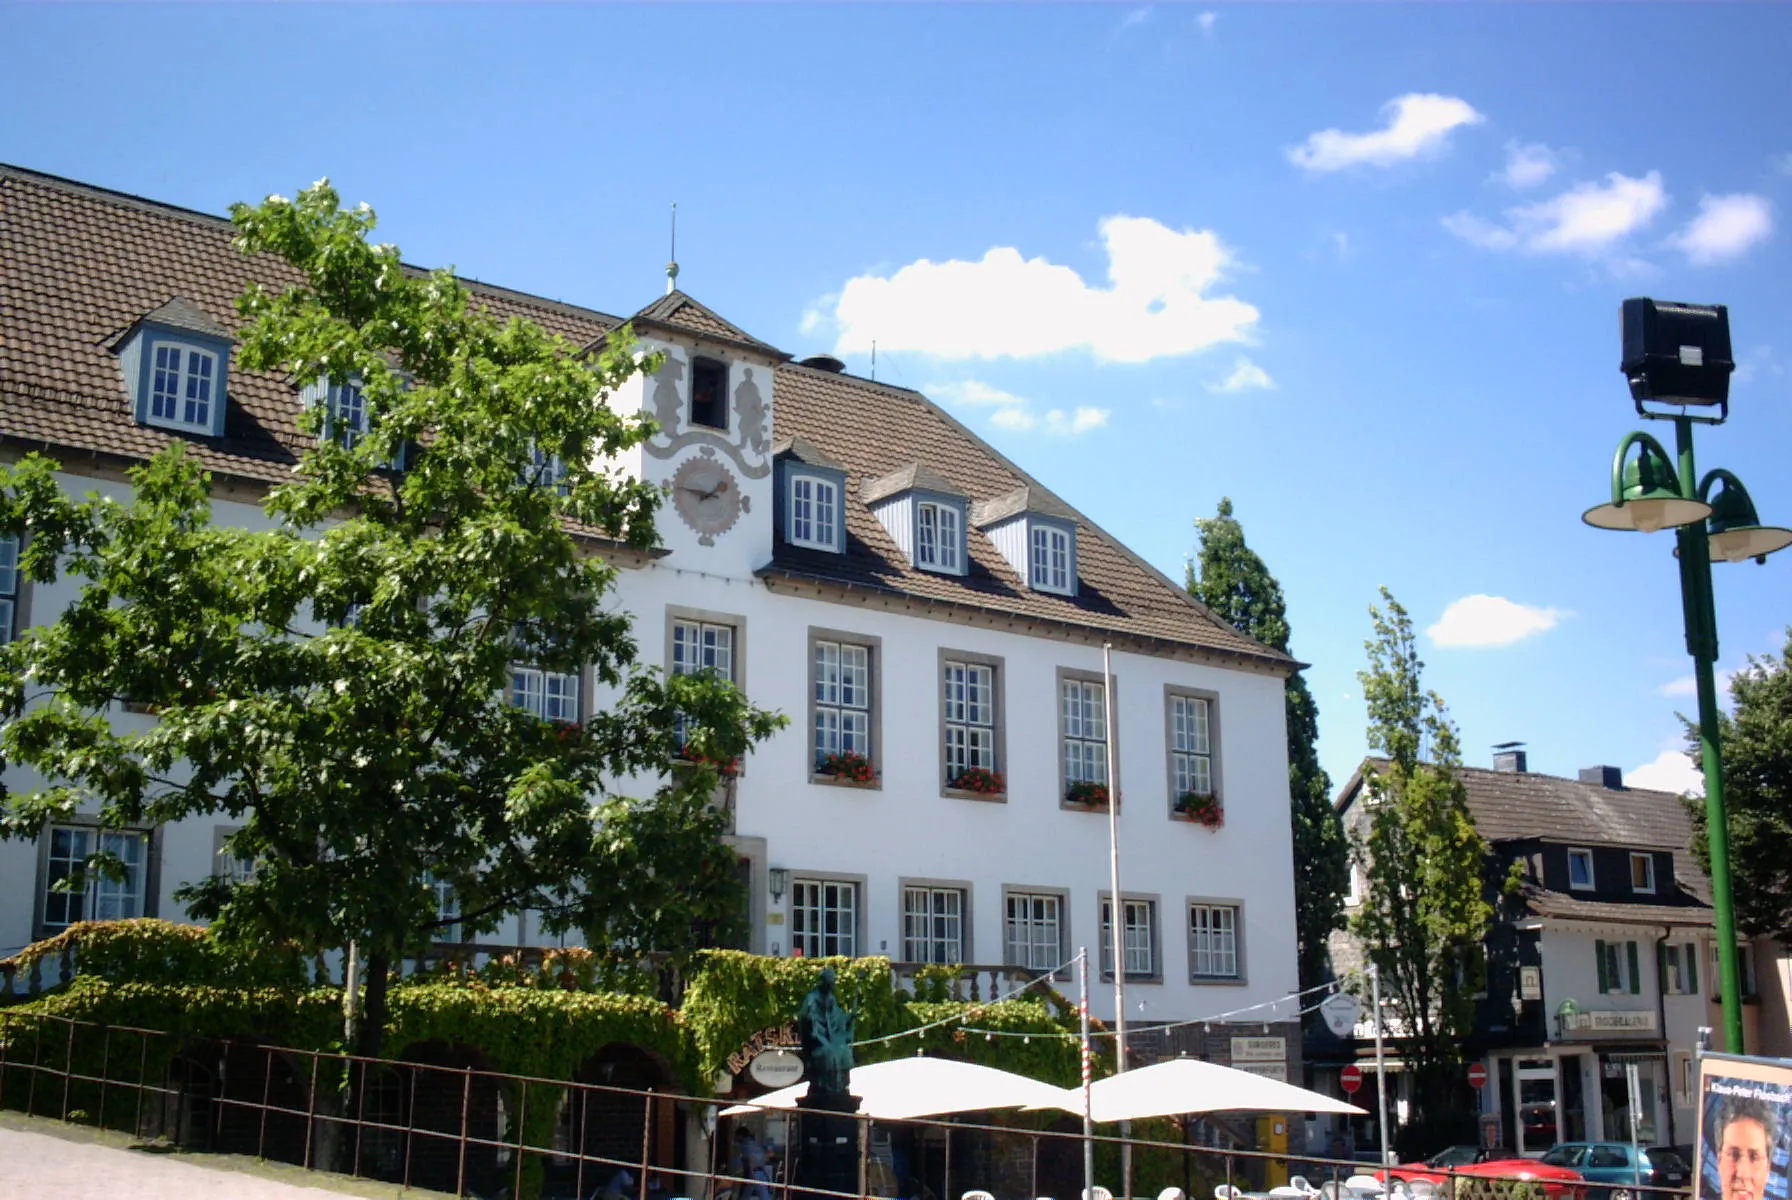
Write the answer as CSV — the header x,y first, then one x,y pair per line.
x,y
1226,1192
977,1194
1172,1193
1100,1193
1300,1182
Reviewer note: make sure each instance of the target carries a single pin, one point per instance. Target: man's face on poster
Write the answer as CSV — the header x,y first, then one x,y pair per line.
x,y
1742,1160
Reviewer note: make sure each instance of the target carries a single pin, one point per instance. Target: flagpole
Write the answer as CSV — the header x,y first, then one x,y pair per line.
x,y
1116,909
1082,1005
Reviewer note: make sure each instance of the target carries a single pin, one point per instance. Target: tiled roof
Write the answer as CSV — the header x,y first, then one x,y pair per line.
x,y
79,265
904,479
679,312
876,429
1695,912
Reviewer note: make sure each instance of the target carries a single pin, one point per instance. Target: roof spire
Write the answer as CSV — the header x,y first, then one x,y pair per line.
x,y
672,266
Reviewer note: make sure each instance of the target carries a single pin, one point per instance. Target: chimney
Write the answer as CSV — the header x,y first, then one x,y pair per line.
x,y
1509,757
1605,777
824,362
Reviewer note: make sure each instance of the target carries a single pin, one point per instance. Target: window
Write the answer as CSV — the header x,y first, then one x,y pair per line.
x,y
182,386
1580,869
550,695
1616,965
226,865
970,718
1138,948
1083,706
98,897
937,537
1051,559
1642,872
824,917
1213,941
9,587
1034,930
546,470
709,393
447,910
814,512
700,647
1745,969
933,925
1191,747
345,420
1680,969
842,700
1353,886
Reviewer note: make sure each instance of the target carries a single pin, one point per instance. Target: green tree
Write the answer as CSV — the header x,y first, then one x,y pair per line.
x,y
1425,910
1231,580
1757,743
337,682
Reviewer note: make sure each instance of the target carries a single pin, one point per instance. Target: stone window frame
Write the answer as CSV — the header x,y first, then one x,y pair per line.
x,y
1173,691
1065,925
1079,675
859,884
1236,904
874,647
152,869
997,686
966,946
1155,901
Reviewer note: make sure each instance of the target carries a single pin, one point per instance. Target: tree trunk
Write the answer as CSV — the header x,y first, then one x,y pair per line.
x,y
373,1010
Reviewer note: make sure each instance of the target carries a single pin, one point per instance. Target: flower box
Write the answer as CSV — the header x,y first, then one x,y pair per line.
x,y
727,768
1203,810
980,781
1084,794
847,768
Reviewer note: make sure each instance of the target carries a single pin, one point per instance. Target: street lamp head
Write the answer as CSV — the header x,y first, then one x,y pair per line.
x,y
1677,353
1646,496
1735,530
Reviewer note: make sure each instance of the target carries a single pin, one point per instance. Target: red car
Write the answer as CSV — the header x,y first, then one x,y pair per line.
x,y
1559,1183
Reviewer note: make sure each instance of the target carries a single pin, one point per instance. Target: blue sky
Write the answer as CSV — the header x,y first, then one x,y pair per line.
x,y
1356,267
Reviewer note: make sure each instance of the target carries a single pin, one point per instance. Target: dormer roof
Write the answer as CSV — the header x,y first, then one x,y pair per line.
x,y
679,313
806,452
907,479
1024,499
177,312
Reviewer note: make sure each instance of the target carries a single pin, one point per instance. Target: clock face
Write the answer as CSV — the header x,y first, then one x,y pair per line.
x,y
707,496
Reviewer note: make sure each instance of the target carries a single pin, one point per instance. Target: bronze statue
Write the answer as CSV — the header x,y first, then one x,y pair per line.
x,y
826,1030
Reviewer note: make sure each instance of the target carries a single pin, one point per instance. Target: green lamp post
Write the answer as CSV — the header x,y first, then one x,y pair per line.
x,y
1678,356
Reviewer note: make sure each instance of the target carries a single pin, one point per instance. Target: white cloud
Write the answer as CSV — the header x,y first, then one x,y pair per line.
x,y
1137,16
1015,413
1783,164
1725,229
1246,376
1669,771
1156,304
1417,123
1206,21
1527,165
1486,621
1589,218
975,392
1686,685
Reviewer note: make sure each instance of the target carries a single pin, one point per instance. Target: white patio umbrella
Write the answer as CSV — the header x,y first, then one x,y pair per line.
x,y
904,1088
1189,1085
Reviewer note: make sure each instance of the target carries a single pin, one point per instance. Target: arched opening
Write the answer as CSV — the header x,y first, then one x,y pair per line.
x,y
606,1127
435,1119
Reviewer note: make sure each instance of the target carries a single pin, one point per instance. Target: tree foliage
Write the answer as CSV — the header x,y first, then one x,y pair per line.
x,y
1229,578
1757,745
1425,911
335,681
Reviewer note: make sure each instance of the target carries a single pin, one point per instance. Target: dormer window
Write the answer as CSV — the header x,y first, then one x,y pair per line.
x,y
1642,873
176,361
546,470
345,420
183,387
939,538
814,511
709,393
1051,557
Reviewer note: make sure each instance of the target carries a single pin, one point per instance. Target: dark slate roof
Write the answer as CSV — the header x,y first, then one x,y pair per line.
x,y
679,312
805,452
907,478
81,264
1023,499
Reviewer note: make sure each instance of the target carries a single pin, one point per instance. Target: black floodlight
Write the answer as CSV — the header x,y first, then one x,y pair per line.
x,y
1678,353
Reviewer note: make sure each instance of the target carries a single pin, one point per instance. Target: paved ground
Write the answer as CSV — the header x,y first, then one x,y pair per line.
x,y
43,1158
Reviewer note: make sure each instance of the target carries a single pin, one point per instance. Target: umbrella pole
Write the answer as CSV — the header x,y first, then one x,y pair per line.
x,y
946,1179
1082,1004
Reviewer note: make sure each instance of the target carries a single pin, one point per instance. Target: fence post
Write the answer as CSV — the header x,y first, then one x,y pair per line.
x,y
105,1071
522,1112
37,1057
310,1115
142,1075
410,1128
267,1091
68,1068
646,1143
466,1096
578,1185
359,1069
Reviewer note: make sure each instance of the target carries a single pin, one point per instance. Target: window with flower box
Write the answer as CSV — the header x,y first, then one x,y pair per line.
x,y
1083,729
970,719
1191,733
933,924
843,705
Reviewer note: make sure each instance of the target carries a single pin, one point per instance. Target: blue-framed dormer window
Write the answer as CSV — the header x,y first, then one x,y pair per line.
x,y
1051,557
345,419
939,537
547,471
813,508
176,363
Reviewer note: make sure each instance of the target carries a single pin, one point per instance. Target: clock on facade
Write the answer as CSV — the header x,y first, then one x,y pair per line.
x,y
707,496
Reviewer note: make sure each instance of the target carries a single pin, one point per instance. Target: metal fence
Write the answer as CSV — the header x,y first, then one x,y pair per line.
x,y
429,1121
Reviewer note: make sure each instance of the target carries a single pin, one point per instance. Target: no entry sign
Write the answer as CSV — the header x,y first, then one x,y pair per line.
x,y
1351,1078
1477,1075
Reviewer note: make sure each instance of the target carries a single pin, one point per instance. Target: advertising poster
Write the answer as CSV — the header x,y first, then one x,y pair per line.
x,y
1745,1121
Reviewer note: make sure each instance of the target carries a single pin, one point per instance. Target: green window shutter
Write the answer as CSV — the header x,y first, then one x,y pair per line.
x,y
1661,967
1636,976
1692,968
1599,959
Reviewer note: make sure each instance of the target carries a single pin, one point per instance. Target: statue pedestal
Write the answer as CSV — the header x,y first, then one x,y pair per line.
x,y
827,1149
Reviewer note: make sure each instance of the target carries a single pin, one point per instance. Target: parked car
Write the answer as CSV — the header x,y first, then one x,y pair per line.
x,y
1613,1163
1558,1182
